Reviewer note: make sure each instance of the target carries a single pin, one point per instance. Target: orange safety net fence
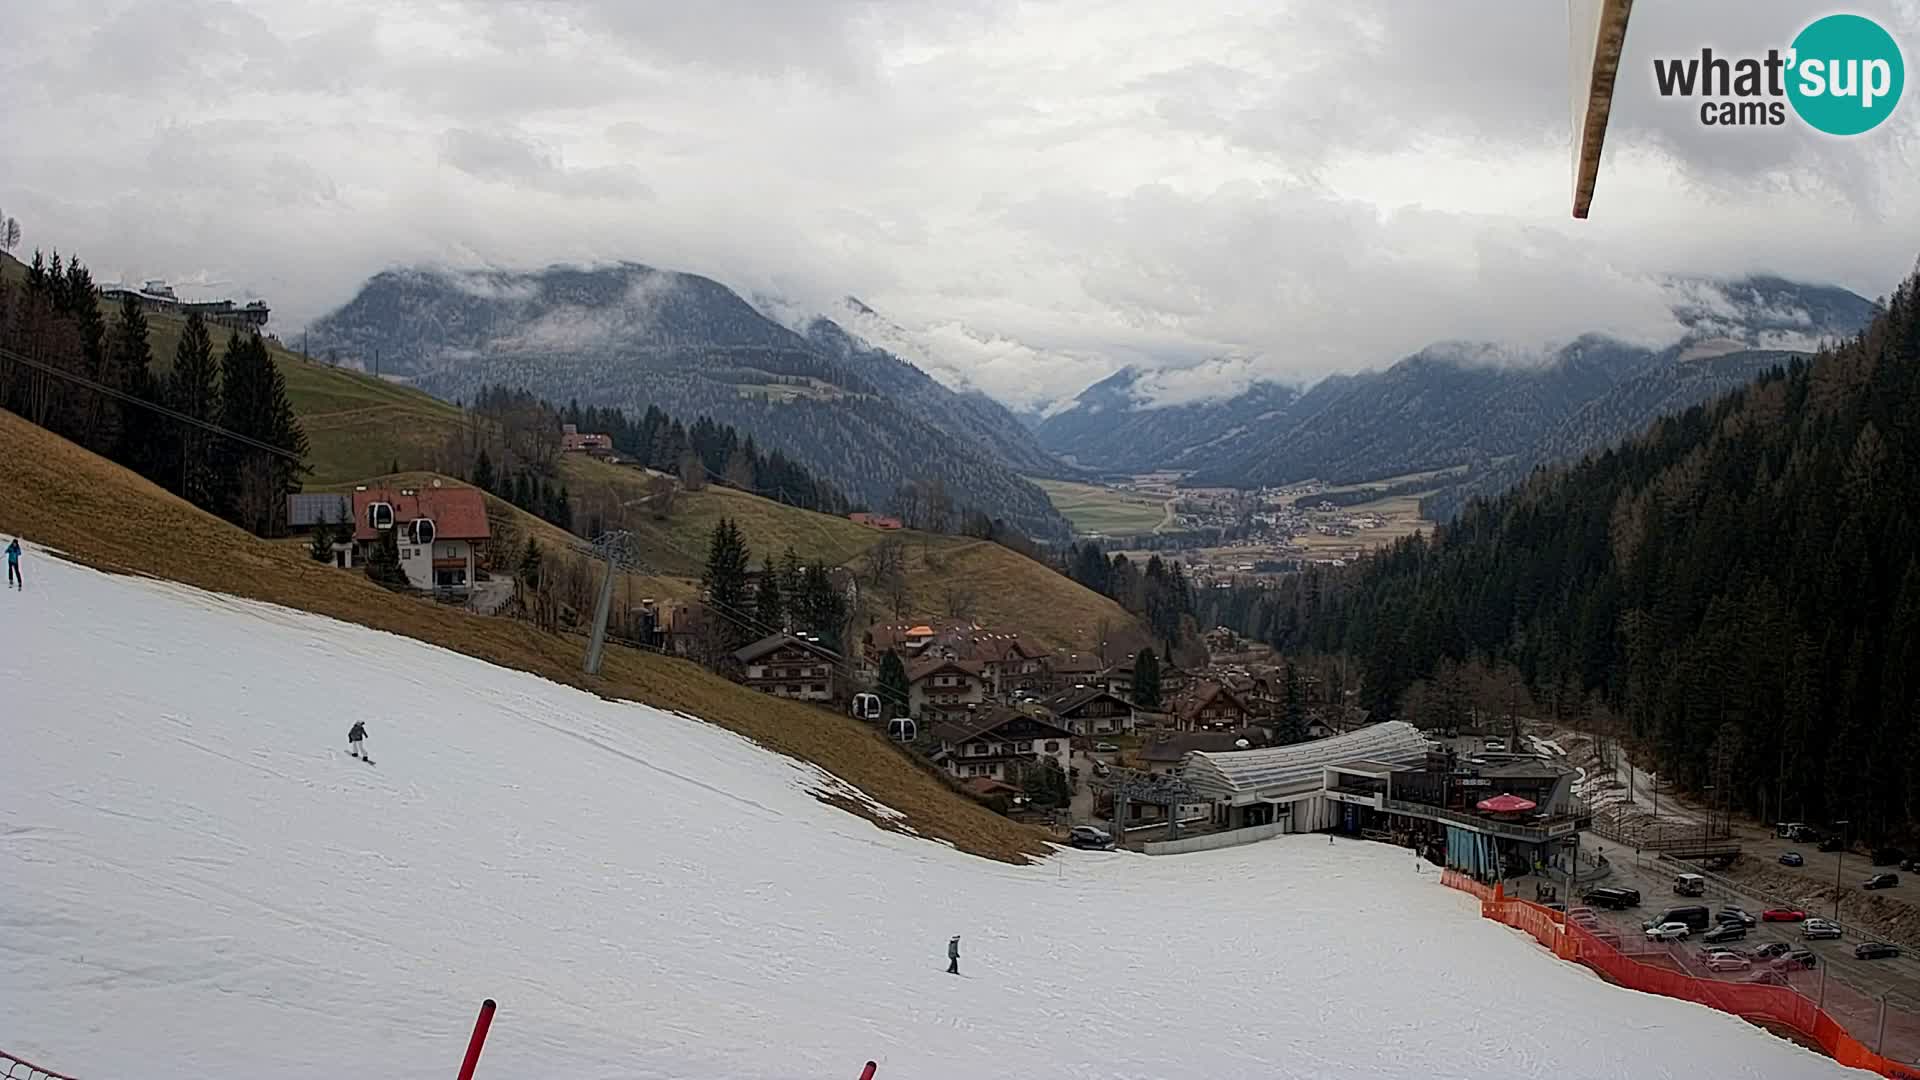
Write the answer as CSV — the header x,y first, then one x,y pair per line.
x,y
1766,1003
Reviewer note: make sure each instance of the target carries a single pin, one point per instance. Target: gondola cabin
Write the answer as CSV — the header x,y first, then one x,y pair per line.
x,y
866,707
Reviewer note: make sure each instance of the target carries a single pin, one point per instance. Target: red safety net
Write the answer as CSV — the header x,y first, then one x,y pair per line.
x,y
18,1068
1830,1021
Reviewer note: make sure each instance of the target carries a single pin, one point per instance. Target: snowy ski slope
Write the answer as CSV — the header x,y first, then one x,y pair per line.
x,y
196,881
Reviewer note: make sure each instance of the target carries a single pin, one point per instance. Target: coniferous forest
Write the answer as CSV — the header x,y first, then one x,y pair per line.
x,y
1740,584
69,370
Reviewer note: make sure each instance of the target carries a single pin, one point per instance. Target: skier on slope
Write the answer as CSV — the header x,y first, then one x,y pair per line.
x,y
953,955
14,580
356,735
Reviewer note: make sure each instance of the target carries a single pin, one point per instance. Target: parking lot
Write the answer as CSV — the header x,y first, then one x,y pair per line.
x,y
1852,988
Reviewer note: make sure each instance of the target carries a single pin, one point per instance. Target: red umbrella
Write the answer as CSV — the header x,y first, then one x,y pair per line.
x,y
1505,804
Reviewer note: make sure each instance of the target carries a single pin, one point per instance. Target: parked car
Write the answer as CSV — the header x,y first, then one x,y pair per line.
x,y
1772,950
1725,932
1606,934
1105,748
1583,916
1793,858
1610,897
1781,914
1086,836
1696,916
1735,915
1820,929
1881,881
1875,950
1770,977
1728,962
1911,866
1833,843
1673,931
1888,856
1797,960
1689,885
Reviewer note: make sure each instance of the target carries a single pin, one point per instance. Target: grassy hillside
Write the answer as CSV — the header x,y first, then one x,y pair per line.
x,y
100,514
1008,590
357,425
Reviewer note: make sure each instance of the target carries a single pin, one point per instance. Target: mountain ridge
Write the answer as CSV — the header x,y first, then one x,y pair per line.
x,y
630,335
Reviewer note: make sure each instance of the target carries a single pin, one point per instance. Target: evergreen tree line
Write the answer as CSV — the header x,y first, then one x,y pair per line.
x,y
1157,591
524,488
715,450
53,318
791,596
1741,585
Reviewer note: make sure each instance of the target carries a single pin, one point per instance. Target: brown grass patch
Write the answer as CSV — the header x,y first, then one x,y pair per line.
x,y
55,493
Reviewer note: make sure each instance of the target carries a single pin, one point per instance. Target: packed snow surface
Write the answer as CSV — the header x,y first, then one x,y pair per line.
x,y
197,881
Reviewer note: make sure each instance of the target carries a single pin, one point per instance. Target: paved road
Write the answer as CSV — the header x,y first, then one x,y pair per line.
x,y
1899,978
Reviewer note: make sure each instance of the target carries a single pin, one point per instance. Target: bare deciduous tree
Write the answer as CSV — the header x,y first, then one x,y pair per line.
x,y
661,491
961,602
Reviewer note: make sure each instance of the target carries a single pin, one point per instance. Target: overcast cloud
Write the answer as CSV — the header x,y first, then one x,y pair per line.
x,y
1030,194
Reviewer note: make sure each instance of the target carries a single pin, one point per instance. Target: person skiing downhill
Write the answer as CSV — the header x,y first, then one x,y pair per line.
x,y
356,735
14,580
953,955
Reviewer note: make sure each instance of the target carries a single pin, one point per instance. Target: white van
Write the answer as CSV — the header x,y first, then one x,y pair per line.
x,y
1689,885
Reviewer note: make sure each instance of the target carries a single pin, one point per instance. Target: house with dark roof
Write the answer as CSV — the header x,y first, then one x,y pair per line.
x,y
1090,710
1073,670
937,687
1165,755
790,667
439,531
996,742
1208,705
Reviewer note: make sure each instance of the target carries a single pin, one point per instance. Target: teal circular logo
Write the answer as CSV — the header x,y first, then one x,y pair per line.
x,y
1846,74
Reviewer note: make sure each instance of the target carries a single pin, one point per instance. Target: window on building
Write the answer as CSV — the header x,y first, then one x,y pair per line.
x,y
1053,747
1026,745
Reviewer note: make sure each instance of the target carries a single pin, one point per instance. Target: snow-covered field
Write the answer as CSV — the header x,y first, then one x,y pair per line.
x,y
196,881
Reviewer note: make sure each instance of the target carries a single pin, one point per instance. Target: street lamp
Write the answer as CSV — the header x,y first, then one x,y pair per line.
x,y
1839,860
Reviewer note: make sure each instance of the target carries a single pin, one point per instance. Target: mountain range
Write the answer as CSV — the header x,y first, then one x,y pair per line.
x,y
1457,406
628,335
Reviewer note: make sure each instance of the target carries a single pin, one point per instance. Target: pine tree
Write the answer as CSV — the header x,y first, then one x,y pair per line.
x,y
822,607
530,565
192,389
769,604
483,472
725,579
1293,710
254,403
320,545
563,509
130,369
383,562
893,686
1146,679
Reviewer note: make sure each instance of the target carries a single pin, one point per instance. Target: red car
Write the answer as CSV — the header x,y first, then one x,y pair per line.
x,y
1783,915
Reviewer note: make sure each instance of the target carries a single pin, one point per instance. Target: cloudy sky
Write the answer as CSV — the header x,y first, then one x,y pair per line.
x,y
1036,192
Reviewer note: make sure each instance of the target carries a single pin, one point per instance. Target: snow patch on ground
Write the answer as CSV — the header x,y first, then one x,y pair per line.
x,y
198,881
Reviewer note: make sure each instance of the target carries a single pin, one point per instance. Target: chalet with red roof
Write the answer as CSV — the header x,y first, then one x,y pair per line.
x,y
439,532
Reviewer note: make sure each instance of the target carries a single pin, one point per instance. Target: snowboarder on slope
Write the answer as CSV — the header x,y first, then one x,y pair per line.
x,y
14,580
953,955
355,736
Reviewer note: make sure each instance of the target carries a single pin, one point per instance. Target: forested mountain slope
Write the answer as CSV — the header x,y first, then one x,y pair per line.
x,y
1741,582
